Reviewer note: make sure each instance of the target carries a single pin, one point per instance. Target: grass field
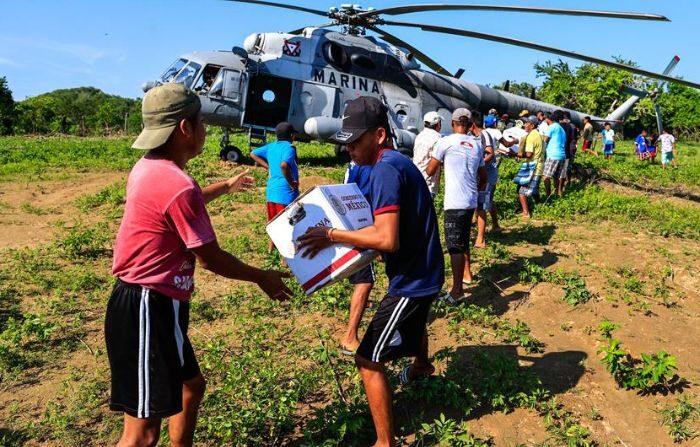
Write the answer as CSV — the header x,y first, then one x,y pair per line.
x,y
581,330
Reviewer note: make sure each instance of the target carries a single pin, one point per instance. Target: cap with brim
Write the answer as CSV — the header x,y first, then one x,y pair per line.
x,y
461,114
532,119
360,115
162,109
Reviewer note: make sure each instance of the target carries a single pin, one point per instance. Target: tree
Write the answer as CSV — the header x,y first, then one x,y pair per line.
x,y
519,88
7,108
595,89
79,111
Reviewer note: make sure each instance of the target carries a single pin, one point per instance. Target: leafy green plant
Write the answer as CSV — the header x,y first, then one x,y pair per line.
x,y
606,328
678,419
652,372
448,433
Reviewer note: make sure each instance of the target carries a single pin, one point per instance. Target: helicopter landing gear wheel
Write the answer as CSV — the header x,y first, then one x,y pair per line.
x,y
232,154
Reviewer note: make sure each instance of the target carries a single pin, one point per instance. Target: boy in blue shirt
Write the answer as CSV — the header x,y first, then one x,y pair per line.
x,y
640,144
608,136
405,231
280,159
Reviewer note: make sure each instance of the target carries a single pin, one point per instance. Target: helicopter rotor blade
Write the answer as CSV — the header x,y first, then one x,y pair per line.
x,y
427,60
318,12
544,48
633,91
672,65
396,10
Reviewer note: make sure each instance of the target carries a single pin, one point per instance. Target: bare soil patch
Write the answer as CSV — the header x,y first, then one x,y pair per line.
x,y
29,211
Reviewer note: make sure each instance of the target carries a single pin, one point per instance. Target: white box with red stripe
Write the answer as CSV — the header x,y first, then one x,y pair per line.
x,y
338,206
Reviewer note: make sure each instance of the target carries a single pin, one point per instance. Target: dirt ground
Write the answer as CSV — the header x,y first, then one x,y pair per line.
x,y
29,211
569,366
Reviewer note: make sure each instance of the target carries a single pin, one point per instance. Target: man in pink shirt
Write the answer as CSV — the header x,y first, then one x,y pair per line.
x,y
164,232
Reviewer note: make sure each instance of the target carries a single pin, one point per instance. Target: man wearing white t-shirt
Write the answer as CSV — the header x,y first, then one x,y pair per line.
x,y
423,149
668,149
543,126
462,156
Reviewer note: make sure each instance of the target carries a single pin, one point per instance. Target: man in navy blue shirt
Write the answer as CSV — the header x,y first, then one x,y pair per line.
x,y
405,230
363,279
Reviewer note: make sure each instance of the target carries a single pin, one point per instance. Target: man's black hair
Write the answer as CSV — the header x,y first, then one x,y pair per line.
x,y
431,126
586,118
557,115
284,131
607,124
477,118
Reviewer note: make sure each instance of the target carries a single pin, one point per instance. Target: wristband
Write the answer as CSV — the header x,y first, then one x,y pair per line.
x,y
329,234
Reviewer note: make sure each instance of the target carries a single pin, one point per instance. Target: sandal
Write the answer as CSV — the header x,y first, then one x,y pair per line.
x,y
449,299
346,351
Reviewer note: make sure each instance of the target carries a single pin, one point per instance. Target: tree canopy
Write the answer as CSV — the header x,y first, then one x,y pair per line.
x,y
7,107
78,111
595,89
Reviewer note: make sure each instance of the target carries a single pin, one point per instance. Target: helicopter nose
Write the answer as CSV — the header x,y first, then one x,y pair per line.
x,y
147,86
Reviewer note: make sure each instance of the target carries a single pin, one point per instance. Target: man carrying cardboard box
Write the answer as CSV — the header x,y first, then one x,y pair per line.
x,y
405,230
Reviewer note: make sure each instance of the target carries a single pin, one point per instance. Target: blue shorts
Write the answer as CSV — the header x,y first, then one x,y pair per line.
x,y
608,149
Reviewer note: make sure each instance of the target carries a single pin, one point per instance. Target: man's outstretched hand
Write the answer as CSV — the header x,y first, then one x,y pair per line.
x,y
271,283
313,241
240,182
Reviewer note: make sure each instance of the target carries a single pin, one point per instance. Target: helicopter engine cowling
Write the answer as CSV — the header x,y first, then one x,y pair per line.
x,y
322,127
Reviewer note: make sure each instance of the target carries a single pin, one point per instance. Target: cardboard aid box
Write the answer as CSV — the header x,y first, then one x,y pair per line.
x,y
337,206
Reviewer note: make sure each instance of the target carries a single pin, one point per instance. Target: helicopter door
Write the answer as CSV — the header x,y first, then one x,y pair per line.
x,y
268,101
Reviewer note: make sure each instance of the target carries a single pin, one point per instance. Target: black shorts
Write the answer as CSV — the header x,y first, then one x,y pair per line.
x,y
458,226
397,329
363,276
149,352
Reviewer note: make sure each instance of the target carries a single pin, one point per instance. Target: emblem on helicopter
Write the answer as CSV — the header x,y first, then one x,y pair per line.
x,y
291,48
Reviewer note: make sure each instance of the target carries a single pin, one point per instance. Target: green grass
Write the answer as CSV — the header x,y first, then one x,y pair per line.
x,y
274,373
625,166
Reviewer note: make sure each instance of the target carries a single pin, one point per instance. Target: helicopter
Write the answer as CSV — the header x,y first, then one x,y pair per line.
x,y
307,76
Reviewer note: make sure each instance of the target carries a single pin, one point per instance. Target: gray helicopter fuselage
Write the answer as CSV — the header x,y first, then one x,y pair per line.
x,y
308,79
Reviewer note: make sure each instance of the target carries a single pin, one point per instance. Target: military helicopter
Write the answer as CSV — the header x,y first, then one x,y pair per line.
x,y
306,76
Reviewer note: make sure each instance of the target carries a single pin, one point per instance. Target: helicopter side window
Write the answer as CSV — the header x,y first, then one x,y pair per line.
x,y
170,73
227,85
187,74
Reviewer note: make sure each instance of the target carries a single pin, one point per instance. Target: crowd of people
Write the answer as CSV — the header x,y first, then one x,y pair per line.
x,y
166,231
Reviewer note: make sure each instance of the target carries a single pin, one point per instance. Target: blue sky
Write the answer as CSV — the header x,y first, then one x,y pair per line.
x,y
117,45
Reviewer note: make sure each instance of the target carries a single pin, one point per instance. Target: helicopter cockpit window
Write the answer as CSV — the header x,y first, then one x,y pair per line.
x,y
227,85
173,70
206,79
187,74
